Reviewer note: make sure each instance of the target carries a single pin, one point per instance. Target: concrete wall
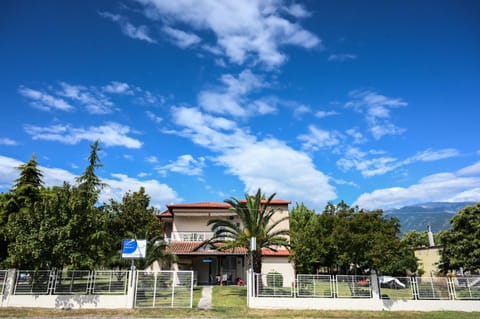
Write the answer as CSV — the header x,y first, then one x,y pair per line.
x,y
429,259
363,304
281,265
8,299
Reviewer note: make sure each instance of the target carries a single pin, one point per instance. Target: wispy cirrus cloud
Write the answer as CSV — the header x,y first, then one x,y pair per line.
x,y
153,117
372,163
318,138
91,98
45,101
140,32
185,165
110,134
94,99
462,185
243,30
377,111
181,38
342,57
7,141
324,114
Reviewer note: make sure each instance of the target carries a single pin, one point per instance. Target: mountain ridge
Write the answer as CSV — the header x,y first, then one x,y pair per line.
x,y
419,216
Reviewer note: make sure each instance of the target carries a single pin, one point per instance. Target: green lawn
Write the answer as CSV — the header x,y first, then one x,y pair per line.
x,y
229,302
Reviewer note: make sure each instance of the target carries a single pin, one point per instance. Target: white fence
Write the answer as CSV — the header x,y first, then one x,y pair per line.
x,y
328,292
95,289
172,289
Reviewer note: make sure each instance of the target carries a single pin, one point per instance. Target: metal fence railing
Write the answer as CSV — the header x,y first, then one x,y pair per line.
x,y
432,288
70,282
110,282
349,286
396,288
33,282
315,286
272,285
165,289
466,288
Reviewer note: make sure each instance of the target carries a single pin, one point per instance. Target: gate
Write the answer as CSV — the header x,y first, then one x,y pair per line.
x,y
164,289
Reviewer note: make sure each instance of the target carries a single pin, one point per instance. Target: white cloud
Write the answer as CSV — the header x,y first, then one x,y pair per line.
x,y
94,101
185,164
342,57
376,109
356,159
135,32
318,138
323,114
45,101
215,133
470,170
151,159
244,30
445,187
275,167
181,38
110,134
358,137
8,171
362,161
7,141
431,155
118,88
230,98
269,164
160,194
152,116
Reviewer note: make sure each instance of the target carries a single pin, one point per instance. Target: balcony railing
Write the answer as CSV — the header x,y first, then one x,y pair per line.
x,y
191,236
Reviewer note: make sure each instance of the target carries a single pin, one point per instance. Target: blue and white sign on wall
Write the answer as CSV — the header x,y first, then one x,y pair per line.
x,y
134,248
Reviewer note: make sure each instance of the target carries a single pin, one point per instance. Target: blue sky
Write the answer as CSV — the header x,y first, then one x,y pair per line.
x,y
372,102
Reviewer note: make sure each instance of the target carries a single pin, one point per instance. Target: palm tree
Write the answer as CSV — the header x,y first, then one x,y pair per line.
x,y
257,221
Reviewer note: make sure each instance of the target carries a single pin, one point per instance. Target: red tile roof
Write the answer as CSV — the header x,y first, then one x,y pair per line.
x,y
200,205
194,248
278,253
215,205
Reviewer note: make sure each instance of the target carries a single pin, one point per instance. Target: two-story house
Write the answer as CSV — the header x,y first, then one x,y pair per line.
x,y
186,229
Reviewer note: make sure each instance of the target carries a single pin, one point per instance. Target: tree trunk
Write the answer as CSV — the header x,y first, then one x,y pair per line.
x,y
257,262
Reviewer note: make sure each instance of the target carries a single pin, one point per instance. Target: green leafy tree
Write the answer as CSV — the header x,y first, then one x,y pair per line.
x,y
415,239
461,243
18,218
351,240
257,220
304,238
28,186
133,217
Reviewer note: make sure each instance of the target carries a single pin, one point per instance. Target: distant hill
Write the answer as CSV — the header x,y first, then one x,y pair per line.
x,y
435,214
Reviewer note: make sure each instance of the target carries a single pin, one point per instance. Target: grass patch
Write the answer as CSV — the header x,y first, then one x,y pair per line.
x,y
229,302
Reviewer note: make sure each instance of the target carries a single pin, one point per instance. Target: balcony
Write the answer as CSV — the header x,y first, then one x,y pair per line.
x,y
190,236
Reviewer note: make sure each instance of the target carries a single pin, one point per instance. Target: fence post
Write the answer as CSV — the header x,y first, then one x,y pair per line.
x,y
375,286
132,285
9,288
249,286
